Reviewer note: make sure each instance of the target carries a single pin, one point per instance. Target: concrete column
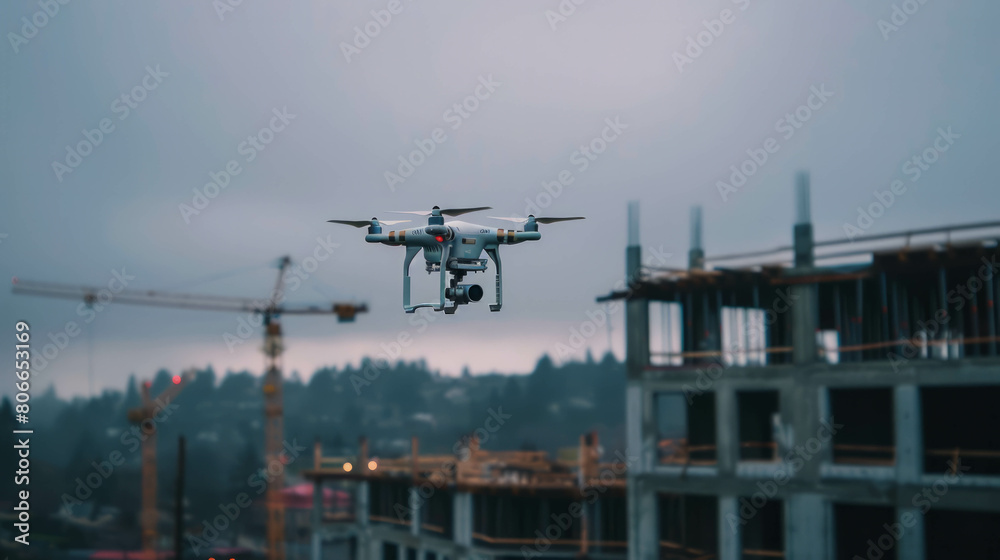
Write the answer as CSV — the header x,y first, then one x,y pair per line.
x,y
367,547
727,440
317,519
647,526
911,544
415,521
730,534
806,536
696,254
633,425
650,454
908,426
804,297
803,222
636,310
401,551
825,412
632,513
804,323
462,519
802,429
642,534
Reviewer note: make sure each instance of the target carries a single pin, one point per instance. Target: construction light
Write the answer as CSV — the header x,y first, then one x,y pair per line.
x,y
348,467
372,465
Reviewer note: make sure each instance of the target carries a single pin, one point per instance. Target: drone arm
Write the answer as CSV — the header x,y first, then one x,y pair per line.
x,y
391,238
526,236
494,253
512,237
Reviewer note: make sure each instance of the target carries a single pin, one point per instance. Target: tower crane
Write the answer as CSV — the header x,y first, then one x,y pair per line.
x,y
146,412
270,310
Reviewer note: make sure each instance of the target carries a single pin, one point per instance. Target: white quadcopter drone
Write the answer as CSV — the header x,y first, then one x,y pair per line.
x,y
454,247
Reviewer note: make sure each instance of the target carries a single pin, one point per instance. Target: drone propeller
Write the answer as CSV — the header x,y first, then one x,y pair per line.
x,y
366,223
544,220
445,212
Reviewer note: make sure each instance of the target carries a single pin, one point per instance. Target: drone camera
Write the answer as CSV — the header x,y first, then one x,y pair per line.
x,y
465,293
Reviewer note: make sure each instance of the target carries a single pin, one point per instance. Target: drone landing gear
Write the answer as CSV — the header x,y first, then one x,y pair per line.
x,y
454,291
411,252
494,254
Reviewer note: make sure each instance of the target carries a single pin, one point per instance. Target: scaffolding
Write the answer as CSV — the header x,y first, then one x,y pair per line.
x,y
474,499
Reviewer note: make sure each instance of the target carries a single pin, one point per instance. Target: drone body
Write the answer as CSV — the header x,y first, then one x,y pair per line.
x,y
453,249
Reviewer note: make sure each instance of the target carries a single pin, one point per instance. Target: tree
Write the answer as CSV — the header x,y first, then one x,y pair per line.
x,y
132,397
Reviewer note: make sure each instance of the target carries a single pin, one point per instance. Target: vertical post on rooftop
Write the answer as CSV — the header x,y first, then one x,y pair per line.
x,y
696,255
640,428
804,312
808,512
697,323
636,308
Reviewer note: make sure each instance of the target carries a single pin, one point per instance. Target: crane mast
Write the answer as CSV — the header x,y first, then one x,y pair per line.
x,y
274,429
144,413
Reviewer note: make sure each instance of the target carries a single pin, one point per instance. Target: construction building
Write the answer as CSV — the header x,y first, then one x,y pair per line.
x,y
820,401
471,504
825,400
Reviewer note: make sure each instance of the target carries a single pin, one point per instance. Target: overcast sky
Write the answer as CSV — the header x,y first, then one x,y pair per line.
x,y
200,78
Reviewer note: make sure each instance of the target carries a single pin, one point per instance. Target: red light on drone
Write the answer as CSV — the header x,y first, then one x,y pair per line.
x,y
438,238
177,380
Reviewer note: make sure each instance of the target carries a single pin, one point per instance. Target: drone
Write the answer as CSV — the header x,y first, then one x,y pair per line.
x,y
454,249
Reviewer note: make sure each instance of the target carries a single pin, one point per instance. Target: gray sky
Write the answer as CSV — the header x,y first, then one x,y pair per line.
x,y
208,79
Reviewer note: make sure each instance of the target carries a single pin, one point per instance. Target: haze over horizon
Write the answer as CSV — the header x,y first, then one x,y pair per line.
x,y
880,89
